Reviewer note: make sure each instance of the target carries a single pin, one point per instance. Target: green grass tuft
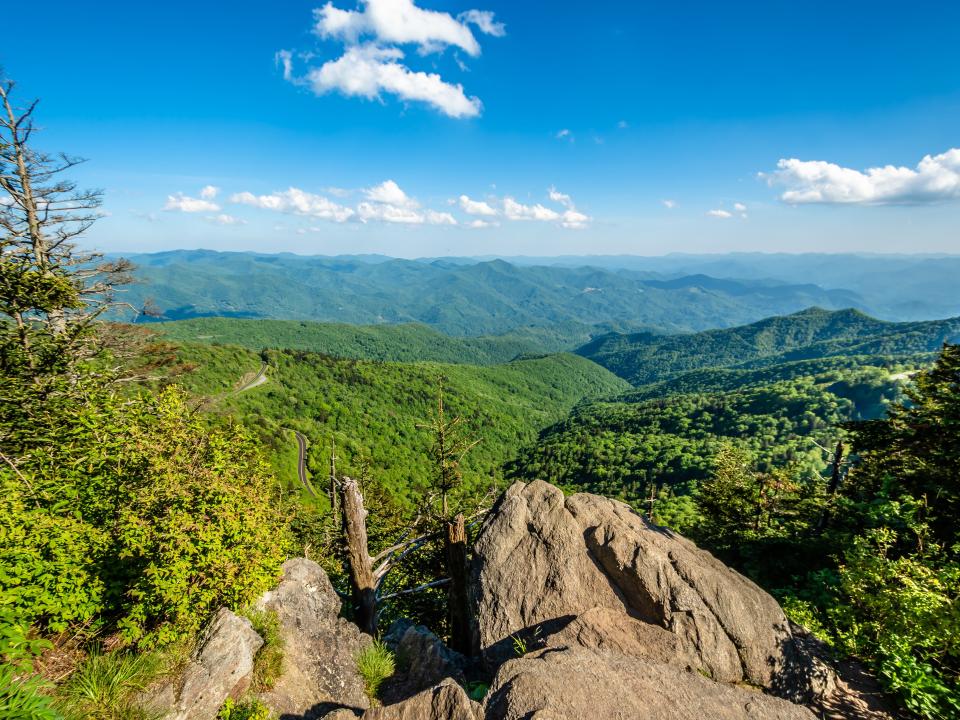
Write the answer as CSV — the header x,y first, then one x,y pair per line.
x,y
104,686
375,663
268,663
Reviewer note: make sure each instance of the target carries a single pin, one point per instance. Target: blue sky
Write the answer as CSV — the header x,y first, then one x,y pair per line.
x,y
420,128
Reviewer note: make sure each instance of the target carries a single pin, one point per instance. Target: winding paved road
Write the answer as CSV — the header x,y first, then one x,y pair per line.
x,y
259,379
302,463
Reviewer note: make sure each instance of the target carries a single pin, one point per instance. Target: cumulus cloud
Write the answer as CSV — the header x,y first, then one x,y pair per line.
x,y
478,223
669,204
178,202
390,193
476,207
368,70
439,218
719,213
517,211
209,192
739,207
484,20
224,219
297,202
373,63
936,178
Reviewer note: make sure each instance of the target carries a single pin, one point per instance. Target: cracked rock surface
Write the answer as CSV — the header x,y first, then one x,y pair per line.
x,y
589,571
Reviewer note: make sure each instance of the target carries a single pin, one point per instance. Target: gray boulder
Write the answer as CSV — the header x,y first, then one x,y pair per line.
x,y
221,667
320,648
446,701
423,660
576,683
542,560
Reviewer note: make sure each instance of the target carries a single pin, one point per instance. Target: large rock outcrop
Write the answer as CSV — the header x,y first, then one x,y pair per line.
x,y
544,561
221,667
569,684
320,648
446,701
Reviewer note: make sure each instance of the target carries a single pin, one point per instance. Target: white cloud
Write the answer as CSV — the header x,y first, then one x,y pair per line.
x,y
296,202
484,21
402,22
476,207
564,134
478,223
669,204
367,71
559,197
739,207
284,58
209,192
224,219
439,218
516,211
574,220
179,202
367,211
371,61
390,193
719,213
936,178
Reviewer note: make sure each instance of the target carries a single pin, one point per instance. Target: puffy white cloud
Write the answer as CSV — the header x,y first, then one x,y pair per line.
x,y
297,202
284,58
936,178
178,202
402,22
719,213
368,70
476,207
367,211
390,193
739,207
478,223
484,21
439,218
574,220
209,192
516,211
224,219
371,61
669,204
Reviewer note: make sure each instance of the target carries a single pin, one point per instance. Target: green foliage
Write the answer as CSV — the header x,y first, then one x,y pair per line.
x,y
24,698
104,686
250,709
387,343
268,662
902,612
143,516
375,663
375,411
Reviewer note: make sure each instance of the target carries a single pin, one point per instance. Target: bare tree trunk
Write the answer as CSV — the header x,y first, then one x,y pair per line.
x,y
361,566
458,599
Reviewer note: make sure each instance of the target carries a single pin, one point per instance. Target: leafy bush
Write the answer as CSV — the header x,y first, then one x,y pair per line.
x,y
24,698
251,709
375,663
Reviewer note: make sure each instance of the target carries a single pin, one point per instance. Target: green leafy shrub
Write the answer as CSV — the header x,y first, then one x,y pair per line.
x,y
375,663
24,698
251,709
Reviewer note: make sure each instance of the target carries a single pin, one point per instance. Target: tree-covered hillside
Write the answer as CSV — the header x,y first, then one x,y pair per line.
x,y
398,343
476,298
643,358
376,411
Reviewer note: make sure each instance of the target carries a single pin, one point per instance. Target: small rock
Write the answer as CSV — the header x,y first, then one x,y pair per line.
x,y
446,701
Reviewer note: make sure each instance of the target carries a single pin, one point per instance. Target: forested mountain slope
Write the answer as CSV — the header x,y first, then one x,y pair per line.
x,y
478,298
814,333
398,343
377,411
